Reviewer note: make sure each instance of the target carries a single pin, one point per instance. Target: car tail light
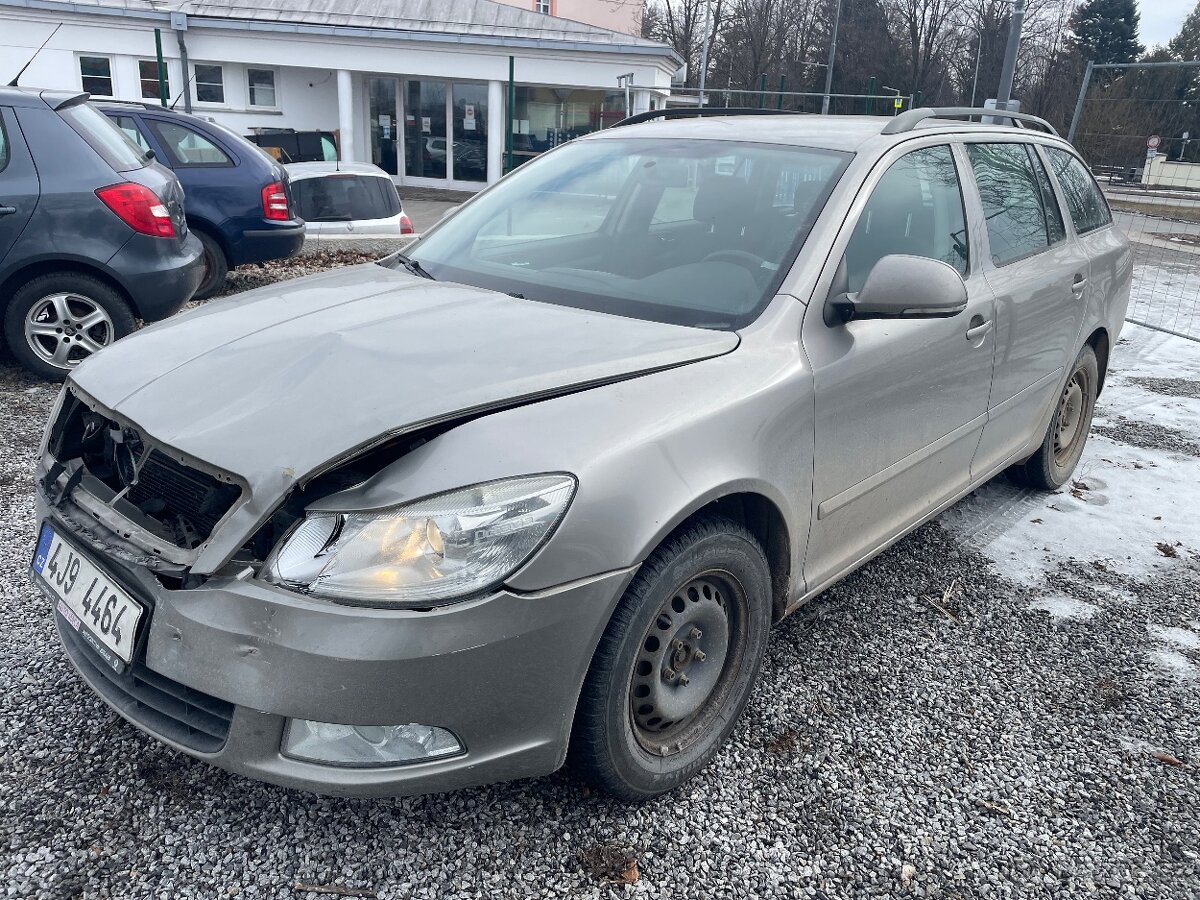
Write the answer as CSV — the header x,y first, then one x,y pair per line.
x,y
139,208
275,202
406,226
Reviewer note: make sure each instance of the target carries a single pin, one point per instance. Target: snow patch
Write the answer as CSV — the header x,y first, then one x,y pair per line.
x,y
1065,608
1172,662
1178,637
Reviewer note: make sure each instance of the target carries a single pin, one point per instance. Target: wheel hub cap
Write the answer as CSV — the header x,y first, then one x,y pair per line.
x,y
1069,419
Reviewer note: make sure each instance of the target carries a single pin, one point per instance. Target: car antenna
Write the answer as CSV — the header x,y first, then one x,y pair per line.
x,y
17,77
179,96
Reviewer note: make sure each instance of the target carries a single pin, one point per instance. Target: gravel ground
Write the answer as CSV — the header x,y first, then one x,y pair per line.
x,y
927,728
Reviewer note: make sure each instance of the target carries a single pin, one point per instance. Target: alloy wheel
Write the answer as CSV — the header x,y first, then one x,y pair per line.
x,y
64,329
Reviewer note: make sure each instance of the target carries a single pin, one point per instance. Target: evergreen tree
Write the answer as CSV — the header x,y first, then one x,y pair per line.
x,y
1186,44
1106,31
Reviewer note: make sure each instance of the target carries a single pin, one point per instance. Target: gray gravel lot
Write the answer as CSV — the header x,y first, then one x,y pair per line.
x,y
921,730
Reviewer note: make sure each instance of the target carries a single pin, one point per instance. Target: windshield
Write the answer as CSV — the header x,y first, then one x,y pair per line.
x,y
690,232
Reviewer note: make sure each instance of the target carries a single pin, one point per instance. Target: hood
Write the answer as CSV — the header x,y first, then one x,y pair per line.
x,y
274,384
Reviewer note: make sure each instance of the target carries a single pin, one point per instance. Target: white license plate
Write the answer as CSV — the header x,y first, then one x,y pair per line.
x,y
91,602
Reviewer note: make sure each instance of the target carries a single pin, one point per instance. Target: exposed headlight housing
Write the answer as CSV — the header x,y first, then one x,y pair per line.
x,y
427,552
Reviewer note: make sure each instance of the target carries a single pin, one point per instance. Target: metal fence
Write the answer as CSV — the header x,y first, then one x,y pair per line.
x,y
1139,129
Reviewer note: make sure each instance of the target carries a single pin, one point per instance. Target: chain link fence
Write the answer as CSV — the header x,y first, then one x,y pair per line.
x,y
1138,126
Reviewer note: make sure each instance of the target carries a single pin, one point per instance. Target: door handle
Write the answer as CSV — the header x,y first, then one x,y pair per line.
x,y
7,210
979,328
1078,285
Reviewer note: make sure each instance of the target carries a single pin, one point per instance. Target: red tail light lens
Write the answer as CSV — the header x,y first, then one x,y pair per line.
x,y
406,226
139,208
275,202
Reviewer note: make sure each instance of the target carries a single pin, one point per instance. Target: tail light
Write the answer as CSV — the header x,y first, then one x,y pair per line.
x,y
275,202
406,226
139,208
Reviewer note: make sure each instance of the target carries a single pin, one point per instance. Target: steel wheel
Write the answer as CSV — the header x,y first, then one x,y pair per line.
x,y
64,329
1068,420
677,683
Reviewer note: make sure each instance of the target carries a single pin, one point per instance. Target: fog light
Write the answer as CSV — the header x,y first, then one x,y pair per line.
x,y
367,745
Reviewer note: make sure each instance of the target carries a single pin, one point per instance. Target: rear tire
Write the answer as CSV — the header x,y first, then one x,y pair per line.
x,y
676,664
216,267
1051,467
54,322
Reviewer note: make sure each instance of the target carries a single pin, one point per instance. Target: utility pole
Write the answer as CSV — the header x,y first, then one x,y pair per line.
x,y
704,50
837,17
978,53
1008,72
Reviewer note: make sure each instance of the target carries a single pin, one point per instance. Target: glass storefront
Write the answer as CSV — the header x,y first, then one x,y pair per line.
x,y
439,130
381,102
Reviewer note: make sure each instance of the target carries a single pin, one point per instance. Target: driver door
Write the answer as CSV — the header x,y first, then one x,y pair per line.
x,y
900,403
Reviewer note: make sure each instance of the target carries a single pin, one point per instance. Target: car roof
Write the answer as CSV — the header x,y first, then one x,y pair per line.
x,y
303,170
27,96
843,133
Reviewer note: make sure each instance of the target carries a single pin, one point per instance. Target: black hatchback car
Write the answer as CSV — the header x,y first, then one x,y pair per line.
x,y
239,202
92,232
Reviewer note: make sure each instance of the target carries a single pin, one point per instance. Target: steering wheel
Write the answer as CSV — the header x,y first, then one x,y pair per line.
x,y
742,258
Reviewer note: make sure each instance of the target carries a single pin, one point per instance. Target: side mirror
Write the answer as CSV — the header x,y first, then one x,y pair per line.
x,y
902,287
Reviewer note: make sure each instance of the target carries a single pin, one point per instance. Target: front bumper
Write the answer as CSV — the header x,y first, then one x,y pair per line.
x,y
502,672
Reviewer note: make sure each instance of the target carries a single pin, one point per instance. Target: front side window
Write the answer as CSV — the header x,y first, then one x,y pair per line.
x,y
95,74
210,83
916,209
262,86
148,74
690,232
1018,224
188,147
1086,204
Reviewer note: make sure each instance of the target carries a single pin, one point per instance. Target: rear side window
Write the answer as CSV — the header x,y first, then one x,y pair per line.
x,y
3,144
1055,229
1086,204
129,126
1018,222
915,209
344,198
188,147
103,136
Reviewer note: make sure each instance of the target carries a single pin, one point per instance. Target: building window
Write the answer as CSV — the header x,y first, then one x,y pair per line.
x,y
95,73
543,6
148,73
262,87
210,83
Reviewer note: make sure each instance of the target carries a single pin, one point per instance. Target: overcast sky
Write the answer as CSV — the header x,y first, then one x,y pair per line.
x,y
1161,19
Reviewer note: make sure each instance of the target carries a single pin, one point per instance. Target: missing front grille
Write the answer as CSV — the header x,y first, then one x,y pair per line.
x,y
144,482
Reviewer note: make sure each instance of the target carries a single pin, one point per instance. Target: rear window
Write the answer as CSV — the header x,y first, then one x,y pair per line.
x,y
103,136
343,198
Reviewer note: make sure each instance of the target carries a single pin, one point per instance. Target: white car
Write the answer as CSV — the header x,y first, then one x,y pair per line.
x,y
347,200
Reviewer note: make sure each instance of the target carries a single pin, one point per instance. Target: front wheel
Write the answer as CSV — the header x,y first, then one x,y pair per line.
x,y
55,322
1052,465
677,663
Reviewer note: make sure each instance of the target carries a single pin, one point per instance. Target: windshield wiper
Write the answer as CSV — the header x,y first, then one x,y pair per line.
x,y
413,266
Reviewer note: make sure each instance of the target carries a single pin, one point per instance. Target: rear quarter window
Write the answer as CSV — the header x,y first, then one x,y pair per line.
x,y
1088,208
343,198
103,136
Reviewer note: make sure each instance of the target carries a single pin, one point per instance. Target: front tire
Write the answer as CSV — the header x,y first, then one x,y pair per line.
x,y
676,664
55,322
1051,467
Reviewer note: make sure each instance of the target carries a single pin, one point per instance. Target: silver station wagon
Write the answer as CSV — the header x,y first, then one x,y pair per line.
x,y
535,492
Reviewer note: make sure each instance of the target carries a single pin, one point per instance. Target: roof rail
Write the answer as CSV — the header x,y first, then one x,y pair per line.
x,y
909,119
681,112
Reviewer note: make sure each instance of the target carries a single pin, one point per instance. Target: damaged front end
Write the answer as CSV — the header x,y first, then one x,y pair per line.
x,y
156,507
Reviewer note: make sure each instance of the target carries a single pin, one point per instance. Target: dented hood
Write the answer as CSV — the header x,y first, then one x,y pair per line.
x,y
274,384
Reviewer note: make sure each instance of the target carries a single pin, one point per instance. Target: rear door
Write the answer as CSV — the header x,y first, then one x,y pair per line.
x,y
900,403
1039,275
1110,262
19,188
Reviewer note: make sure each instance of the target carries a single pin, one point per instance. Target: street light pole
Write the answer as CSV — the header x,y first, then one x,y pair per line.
x,y
1008,72
837,17
704,50
978,53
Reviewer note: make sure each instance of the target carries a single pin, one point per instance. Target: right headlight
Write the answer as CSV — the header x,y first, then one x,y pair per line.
x,y
426,552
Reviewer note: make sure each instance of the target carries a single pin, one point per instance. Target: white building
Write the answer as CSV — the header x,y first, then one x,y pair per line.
x,y
415,86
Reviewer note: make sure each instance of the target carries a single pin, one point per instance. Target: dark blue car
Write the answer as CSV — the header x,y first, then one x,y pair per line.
x,y
238,200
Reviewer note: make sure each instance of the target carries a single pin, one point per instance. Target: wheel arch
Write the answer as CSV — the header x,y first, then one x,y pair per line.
x,y
1101,345
208,229
14,280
